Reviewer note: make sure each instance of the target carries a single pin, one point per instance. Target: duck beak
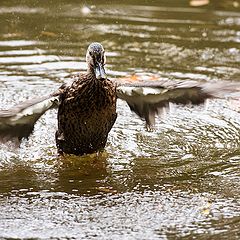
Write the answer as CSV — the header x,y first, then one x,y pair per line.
x,y
100,71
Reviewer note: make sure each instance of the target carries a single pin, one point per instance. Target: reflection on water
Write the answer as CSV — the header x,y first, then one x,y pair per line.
x,y
180,180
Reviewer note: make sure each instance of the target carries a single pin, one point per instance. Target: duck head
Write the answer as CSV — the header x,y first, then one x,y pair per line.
x,y
96,59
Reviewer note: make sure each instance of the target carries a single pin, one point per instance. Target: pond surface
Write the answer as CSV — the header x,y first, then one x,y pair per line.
x,y
181,180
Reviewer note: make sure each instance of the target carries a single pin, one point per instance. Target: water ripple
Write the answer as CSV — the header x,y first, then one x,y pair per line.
x,y
182,177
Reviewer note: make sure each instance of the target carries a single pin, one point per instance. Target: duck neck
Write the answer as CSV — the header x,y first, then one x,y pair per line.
x,y
91,72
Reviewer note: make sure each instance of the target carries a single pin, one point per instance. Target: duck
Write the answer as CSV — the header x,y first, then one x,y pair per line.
x,y
87,107
87,104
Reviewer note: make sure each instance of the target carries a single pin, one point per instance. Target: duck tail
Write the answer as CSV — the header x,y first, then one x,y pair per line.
x,y
18,121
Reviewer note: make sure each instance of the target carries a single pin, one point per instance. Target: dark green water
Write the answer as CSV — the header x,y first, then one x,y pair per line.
x,y
179,181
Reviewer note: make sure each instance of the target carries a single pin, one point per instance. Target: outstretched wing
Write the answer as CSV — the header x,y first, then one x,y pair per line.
x,y
149,98
19,120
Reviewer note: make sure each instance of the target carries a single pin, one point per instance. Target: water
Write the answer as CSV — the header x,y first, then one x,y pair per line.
x,y
180,180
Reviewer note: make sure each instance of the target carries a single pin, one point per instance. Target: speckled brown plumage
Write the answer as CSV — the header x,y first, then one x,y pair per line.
x,y
86,114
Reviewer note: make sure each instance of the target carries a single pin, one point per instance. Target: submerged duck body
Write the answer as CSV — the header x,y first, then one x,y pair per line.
x,y
86,114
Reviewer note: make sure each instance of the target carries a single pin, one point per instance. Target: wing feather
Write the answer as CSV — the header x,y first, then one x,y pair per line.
x,y
149,98
19,120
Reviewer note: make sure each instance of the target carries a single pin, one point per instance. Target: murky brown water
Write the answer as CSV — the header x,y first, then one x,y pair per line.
x,y
181,180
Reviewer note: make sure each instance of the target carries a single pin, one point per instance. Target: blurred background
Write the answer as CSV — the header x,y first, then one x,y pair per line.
x,y
180,180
